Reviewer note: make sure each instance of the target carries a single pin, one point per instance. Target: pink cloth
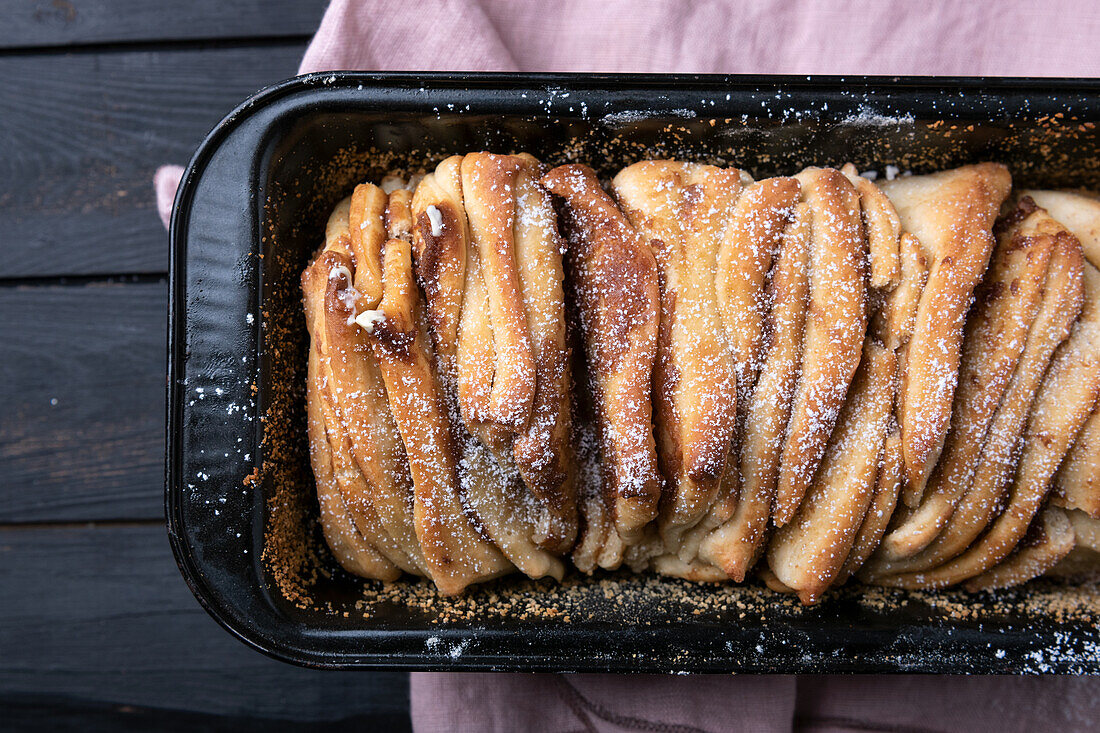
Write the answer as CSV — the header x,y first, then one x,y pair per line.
x,y
941,37
891,37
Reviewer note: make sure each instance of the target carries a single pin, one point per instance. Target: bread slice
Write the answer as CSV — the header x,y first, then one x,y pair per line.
x,y
883,503
354,553
807,554
996,332
1066,398
1077,483
1050,538
615,278
1077,212
488,185
373,475
836,322
454,550
883,227
684,210
489,258
736,542
951,214
984,494
441,242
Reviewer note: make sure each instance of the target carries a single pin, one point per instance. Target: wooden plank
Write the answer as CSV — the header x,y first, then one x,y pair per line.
x,y
35,713
102,614
46,23
83,134
82,380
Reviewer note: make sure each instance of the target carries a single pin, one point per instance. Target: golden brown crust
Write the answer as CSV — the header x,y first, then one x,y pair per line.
x,y
683,210
475,355
516,227
353,551
1061,303
895,318
735,545
1065,399
1079,213
348,546
883,229
456,554
366,234
996,334
615,280
376,486
759,218
441,240
398,217
1049,539
951,214
807,553
1077,484
883,503
355,491
835,326
488,185
543,449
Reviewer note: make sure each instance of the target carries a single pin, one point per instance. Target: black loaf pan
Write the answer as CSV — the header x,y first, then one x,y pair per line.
x,y
239,495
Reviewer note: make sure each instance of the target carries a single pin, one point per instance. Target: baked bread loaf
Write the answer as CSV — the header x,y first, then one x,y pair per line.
x,y
688,371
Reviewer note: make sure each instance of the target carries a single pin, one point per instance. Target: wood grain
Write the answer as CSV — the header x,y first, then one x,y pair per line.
x,y
98,451
37,713
46,23
103,615
97,628
83,134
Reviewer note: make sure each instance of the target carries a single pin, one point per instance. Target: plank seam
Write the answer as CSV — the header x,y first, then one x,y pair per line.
x,y
137,278
81,524
179,44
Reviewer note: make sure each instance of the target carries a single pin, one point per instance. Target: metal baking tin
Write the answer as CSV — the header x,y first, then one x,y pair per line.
x,y
251,209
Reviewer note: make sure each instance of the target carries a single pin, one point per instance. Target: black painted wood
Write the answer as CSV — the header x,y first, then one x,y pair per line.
x,y
50,714
97,620
83,134
82,380
31,713
47,23
97,629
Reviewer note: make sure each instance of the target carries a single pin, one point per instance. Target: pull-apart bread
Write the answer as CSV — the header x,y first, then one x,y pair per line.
x,y
951,216
684,370
614,281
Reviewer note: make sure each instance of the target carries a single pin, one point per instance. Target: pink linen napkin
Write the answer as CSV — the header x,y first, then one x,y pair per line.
x,y
890,37
940,37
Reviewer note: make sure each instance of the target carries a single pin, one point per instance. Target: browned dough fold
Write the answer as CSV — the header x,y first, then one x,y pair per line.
x,y
615,281
684,209
836,322
996,332
951,214
455,552
808,553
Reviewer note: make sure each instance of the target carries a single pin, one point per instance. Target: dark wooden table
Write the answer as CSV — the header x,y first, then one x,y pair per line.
x,y
97,629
